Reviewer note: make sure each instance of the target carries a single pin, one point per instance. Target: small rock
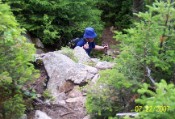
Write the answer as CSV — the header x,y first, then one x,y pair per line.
x,y
76,99
47,102
95,79
66,86
41,115
87,117
74,93
24,116
104,65
62,102
95,60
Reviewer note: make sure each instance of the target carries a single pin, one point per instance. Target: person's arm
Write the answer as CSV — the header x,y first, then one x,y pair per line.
x,y
98,47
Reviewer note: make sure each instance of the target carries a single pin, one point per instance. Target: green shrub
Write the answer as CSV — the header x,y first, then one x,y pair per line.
x,y
149,45
14,107
151,41
116,12
57,21
16,69
106,58
147,52
158,104
100,102
109,95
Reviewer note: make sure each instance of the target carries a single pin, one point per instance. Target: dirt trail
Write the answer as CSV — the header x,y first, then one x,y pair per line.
x,y
107,36
107,39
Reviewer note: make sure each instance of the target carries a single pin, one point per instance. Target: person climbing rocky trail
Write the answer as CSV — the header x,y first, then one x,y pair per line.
x,y
119,66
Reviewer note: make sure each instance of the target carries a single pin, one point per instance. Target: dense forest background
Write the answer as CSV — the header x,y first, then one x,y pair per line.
x,y
56,22
145,68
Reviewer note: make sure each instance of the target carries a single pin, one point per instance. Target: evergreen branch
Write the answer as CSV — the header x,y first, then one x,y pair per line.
x,y
162,38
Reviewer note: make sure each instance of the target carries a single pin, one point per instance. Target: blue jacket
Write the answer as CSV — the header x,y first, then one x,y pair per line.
x,y
82,42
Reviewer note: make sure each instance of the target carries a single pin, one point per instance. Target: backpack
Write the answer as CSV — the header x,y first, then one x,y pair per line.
x,y
72,43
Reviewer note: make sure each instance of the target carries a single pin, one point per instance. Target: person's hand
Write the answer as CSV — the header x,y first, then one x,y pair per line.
x,y
105,47
86,46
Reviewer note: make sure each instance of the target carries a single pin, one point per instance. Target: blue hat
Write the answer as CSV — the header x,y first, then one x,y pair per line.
x,y
89,33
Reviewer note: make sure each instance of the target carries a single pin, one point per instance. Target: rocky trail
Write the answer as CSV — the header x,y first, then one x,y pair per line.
x,y
62,78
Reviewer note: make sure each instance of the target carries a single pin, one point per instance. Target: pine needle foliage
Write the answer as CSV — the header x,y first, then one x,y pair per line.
x,y
56,21
147,55
116,13
16,69
158,104
151,42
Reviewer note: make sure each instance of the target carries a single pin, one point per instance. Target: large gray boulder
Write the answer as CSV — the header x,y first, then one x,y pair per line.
x,y
61,68
81,55
68,70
